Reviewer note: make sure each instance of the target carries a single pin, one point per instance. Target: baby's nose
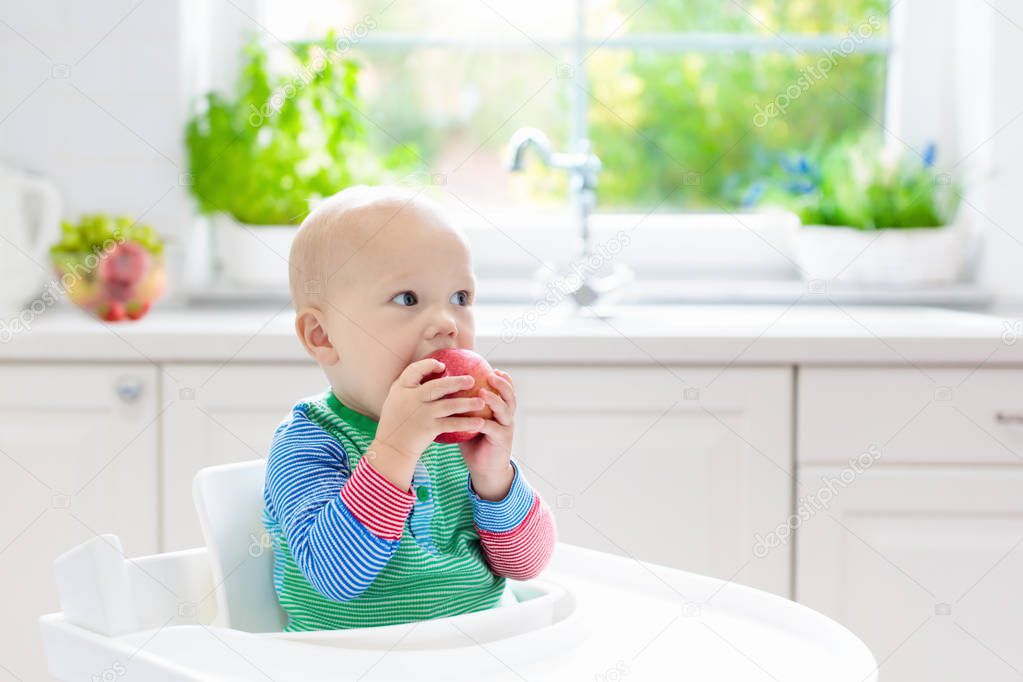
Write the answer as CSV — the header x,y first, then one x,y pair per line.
x,y
444,325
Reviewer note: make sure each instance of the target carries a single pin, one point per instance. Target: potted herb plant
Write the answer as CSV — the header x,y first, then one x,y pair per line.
x,y
111,267
873,214
260,159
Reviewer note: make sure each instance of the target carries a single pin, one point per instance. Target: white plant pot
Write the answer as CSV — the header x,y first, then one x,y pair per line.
x,y
253,255
914,256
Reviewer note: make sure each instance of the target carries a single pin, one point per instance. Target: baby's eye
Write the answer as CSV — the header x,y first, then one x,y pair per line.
x,y
460,297
405,298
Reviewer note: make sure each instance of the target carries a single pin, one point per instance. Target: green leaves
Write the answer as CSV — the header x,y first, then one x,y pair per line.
x,y
681,130
861,183
284,140
95,232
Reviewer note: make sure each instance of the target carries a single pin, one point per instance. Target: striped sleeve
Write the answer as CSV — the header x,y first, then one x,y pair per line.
x,y
342,527
517,533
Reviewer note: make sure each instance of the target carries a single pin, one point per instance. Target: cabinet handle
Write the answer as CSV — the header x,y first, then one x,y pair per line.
x,y
1007,419
129,389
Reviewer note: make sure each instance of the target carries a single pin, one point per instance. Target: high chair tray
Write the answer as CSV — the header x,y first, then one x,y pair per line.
x,y
591,615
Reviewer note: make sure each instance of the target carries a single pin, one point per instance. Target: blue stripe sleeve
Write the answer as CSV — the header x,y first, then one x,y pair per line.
x,y
504,514
305,472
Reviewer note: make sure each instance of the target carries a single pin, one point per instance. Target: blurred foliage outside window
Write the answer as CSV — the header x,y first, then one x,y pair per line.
x,y
687,103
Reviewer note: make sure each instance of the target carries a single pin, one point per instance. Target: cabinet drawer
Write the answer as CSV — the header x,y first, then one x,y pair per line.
x,y
911,415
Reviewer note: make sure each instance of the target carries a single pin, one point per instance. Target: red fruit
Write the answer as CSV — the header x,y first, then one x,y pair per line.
x,y
119,291
111,312
136,309
122,268
457,362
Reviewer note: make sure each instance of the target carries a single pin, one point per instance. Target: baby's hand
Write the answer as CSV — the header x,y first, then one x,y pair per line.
x,y
413,414
488,456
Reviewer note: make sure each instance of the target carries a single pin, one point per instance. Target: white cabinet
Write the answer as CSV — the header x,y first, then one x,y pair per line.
x,y
675,465
925,415
727,472
78,457
924,564
916,544
216,414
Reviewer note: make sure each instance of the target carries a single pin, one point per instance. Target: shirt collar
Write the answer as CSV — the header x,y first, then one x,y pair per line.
x,y
360,421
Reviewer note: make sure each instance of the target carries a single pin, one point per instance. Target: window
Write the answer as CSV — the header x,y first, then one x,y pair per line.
x,y
687,103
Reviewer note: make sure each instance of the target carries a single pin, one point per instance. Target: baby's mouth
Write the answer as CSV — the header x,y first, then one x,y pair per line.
x,y
434,350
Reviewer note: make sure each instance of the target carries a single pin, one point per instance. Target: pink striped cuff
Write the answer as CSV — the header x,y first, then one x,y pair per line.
x,y
524,551
375,502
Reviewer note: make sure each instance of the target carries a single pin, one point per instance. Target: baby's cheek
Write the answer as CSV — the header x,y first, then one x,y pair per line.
x,y
388,370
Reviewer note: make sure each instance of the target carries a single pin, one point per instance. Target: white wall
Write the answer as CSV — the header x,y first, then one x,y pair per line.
x,y
1003,260
92,99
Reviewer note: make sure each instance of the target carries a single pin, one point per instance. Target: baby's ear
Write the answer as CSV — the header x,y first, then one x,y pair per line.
x,y
309,325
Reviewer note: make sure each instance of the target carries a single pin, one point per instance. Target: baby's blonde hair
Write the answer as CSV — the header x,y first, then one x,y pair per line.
x,y
338,228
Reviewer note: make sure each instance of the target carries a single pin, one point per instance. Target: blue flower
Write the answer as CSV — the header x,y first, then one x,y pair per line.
x,y
753,194
801,187
788,165
801,167
930,152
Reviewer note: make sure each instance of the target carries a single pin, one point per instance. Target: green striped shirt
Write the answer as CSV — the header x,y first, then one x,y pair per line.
x,y
436,568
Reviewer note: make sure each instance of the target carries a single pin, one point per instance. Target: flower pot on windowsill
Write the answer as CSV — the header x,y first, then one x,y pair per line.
x,y
253,255
901,257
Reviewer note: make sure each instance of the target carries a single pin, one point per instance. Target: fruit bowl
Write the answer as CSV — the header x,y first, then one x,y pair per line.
x,y
114,285
111,267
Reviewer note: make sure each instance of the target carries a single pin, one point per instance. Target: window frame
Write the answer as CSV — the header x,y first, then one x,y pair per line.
x,y
509,246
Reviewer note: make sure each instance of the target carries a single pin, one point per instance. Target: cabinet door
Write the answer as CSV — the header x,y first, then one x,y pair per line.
x,y
679,466
78,457
923,564
216,414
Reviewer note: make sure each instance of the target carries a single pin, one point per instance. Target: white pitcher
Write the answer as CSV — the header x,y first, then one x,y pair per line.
x,y
29,224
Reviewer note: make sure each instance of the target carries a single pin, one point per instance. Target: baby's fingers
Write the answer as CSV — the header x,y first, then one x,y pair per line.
x,y
449,406
504,388
502,410
504,375
461,423
438,388
413,375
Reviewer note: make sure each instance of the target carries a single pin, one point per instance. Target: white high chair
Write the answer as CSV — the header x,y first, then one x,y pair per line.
x,y
212,614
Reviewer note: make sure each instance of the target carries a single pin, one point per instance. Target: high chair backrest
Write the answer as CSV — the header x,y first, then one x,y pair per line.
x,y
229,501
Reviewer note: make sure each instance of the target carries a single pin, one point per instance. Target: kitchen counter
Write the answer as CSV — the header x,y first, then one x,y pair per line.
x,y
640,334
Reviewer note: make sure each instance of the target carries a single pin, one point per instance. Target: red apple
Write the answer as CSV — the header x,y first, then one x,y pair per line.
x,y
122,268
460,361
111,311
127,262
136,309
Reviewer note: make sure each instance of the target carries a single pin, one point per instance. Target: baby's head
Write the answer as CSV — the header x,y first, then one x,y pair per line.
x,y
379,279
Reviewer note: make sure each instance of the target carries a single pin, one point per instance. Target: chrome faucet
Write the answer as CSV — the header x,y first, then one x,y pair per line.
x,y
596,285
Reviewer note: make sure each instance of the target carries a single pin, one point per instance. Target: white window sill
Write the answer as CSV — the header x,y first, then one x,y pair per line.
x,y
665,246
746,292
676,258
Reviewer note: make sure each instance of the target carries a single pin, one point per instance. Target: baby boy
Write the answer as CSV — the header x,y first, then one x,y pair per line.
x,y
371,521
